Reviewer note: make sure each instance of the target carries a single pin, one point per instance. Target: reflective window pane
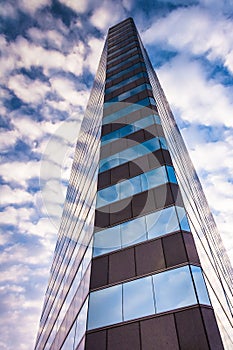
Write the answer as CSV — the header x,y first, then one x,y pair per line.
x,y
162,222
108,195
183,219
130,187
133,231
154,178
171,174
105,307
107,240
200,285
138,298
174,289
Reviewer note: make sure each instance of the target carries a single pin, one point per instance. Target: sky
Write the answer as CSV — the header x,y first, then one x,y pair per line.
x,y
49,55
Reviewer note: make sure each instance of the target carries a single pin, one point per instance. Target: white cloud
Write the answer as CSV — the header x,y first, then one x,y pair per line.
x,y
14,196
196,98
196,31
30,91
108,14
19,172
79,6
33,5
66,89
96,48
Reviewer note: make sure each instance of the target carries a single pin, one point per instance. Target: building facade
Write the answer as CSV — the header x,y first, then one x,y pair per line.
x,y
138,263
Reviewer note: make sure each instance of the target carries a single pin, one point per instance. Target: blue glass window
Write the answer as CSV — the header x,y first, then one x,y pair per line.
x,y
126,81
121,49
183,219
130,107
132,186
129,154
146,227
105,307
124,71
107,240
122,55
162,222
133,231
138,298
165,291
174,289
171,174
130,93
131,58
199,282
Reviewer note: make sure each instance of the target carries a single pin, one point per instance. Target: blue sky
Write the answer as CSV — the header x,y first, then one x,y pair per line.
x,y
50,51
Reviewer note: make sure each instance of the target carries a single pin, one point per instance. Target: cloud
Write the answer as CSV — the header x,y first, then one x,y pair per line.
x,y
190,92
14,196
79,6
196,31
68,91
33,5
107,14
24,171
96,48
28,90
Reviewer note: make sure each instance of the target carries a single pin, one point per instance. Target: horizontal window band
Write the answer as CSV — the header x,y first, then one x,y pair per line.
x,y
155,224
134,141
142,259
131,169
123,211
157,293
116,110
128,119
129,90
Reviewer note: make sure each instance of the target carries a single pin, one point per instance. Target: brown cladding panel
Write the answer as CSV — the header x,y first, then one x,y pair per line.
x,y
125,337
174,249
143,203
96,341
191,248
191,331
104,179
149,257
119,173
102,218
99,272
139,166
212,329
163,196
121,265
159,333
120,211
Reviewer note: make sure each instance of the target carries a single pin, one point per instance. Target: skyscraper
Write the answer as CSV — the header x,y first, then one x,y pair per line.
x,y
126,273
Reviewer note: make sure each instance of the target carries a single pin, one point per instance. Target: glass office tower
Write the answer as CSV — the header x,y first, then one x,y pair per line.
x,y
126,272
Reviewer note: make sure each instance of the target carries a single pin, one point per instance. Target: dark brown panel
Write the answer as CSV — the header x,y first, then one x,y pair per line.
x,y
124,337
177,195
120,211
150,132
155,159
174,249
139,166
99,272
142,203
106,129
159,333
104,179
191,331
102,218
119,173
105,151
191,248
149,257
121,265
118,145
163,196
166,157
212,329
96,341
